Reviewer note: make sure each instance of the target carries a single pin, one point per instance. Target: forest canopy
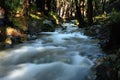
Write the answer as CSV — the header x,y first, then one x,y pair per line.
x,y
19,14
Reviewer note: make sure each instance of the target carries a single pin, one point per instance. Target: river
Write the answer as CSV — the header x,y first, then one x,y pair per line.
x,y
61,55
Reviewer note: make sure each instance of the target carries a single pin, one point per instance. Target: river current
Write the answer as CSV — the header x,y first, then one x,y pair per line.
x,y
61,55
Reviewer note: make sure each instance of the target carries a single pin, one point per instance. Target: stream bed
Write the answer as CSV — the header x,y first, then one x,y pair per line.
x,y
61,55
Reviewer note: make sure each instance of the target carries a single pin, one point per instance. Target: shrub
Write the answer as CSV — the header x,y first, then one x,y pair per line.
x,y
114,16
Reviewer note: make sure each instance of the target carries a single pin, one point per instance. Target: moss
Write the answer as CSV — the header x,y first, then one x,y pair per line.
x,y
114,16
36,22
55,17
101,19
19,22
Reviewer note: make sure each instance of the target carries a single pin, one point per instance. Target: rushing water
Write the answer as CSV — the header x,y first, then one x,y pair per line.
x,y
60,55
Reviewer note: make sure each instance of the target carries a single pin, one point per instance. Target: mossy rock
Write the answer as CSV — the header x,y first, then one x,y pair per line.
x,y
48,28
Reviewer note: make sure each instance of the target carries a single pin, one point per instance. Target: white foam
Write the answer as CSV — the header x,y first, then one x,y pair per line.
x,y
82,61
66,45
51,71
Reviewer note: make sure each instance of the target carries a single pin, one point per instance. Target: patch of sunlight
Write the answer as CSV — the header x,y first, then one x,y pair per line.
x,y
11,32
35,16
25,72
39,13
17,14
24,49
2,54
77,22
55,17
103,16
40,48
8,41
16,74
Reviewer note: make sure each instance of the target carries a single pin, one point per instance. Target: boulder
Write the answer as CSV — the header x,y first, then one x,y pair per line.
x,y
48,26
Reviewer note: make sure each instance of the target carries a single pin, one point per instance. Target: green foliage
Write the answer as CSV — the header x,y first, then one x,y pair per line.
x,y
101,19
114,16
20,22
77,22
15,5
35,16
55,16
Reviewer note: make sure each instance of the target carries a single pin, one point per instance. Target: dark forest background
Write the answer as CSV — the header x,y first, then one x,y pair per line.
x,y
99,18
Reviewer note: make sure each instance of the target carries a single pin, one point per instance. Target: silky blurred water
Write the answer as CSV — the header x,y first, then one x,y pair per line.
x,y
59,55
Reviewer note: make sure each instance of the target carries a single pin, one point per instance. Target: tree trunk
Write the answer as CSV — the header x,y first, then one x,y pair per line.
x,y
96,8
48,4
103,7
90,12
54,5
40,5
25,8
71,8
82,5
79,15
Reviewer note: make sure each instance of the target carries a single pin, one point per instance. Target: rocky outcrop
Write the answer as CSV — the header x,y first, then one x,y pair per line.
x,y
14,36
48,26
106,71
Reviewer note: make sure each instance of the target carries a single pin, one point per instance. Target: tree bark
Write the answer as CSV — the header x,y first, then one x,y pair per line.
x,y
25,8
103,7
79,15
48,4
40,5
90,12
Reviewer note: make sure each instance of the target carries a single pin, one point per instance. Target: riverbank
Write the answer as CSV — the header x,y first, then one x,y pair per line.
x,y
23,28
109,64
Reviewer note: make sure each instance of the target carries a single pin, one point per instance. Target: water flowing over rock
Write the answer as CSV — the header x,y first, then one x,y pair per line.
x,y
59,55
